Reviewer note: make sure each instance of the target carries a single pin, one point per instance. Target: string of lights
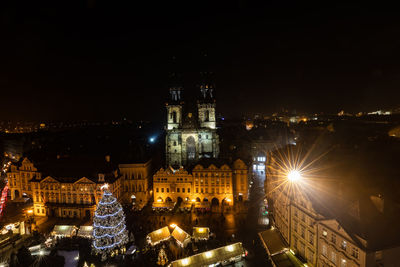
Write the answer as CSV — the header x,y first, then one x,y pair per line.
x,y
109,229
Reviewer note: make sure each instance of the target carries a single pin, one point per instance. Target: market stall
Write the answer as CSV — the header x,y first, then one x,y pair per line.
x,y
86,231
158,236
201,233
64,230
181,237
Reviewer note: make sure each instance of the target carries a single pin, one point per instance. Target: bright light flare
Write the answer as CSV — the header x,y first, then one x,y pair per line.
x,y
294,176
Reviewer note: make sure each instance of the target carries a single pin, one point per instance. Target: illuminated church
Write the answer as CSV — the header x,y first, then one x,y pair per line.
x,y
191,128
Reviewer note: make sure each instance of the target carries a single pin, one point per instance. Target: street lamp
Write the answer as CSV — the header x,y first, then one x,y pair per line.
x,y
294,176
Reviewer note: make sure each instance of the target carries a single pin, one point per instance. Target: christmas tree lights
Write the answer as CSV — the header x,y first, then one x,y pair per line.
x,y
109,229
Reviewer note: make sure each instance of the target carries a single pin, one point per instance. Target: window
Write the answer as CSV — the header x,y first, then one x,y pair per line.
x,y
167,189
310,255
206,190
333,238
324,250
43,211
354,252
302,231
295,242
157,189
197,190
177,190
162,189
344,245
183,190
311,238
37,211
188,190
333,257
303,217
295,213
324,232
295,226
201,190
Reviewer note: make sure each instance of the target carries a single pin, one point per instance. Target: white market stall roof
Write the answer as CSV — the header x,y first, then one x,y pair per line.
x,y
158,236
180,236
64,230
201,233
219,255
85,231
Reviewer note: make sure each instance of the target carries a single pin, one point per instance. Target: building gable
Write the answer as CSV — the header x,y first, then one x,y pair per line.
x,y
49,179
335,226
84,180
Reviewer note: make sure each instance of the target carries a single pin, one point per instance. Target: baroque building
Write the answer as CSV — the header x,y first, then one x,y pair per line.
x,y
136,182
324,229
208,183
71,188
191,130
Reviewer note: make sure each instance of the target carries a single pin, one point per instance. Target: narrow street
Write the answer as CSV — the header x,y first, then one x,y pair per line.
x,y
247,232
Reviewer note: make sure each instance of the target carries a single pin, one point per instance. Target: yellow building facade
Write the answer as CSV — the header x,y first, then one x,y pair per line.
x,y
77,197
135,182
19,176
312,232
204,184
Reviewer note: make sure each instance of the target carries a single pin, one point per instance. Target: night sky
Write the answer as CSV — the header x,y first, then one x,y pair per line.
x,y
102,60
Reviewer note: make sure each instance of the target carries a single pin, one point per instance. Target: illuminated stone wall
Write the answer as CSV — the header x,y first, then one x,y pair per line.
x,y
135,180
19,177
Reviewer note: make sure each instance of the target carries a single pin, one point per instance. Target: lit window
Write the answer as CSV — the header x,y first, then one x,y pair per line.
x,y
343,263
324,233
333,257
354,252
324,250
344,245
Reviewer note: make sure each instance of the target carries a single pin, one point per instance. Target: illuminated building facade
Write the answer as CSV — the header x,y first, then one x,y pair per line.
x,y
212,183
191,134
61,194
19,176
325,233
135,182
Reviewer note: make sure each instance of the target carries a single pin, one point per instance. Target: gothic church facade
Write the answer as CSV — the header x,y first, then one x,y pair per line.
x,y
191,131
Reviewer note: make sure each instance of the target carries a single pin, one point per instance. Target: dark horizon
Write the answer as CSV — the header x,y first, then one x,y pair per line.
x,y
103,61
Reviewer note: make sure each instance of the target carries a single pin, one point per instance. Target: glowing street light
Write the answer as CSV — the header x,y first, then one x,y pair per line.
x,y
294,176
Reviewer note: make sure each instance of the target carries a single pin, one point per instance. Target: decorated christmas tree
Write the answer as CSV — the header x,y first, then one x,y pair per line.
x,y
109,229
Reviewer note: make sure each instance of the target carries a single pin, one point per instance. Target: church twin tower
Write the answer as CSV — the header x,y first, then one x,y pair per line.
x,y
191,134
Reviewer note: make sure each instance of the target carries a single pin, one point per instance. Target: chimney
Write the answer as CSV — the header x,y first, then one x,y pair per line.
x,y
378,202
